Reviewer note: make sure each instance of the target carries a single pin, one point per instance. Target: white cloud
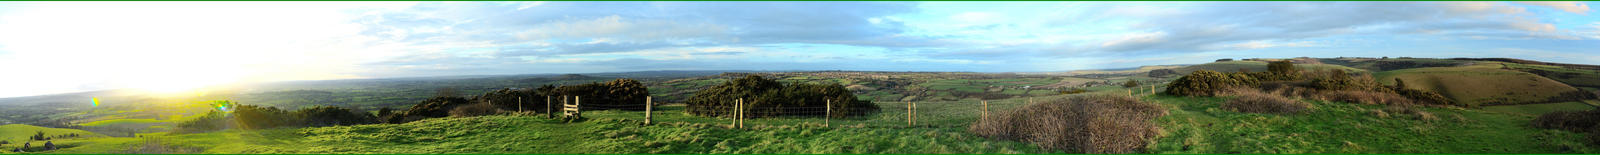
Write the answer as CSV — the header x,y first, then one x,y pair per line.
x,y
630,30
1260,44
1568,6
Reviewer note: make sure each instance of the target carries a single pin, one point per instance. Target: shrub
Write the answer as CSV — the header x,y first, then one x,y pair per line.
x,y
766,97
211,121
1086,124
1576,121
1208,83
1130,84
1258,102
434,107
480,109
620,94
259,117
333,116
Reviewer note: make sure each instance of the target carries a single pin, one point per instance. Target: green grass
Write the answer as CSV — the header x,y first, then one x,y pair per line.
x,y
1482,84
1197,125
941,129
122,121
1538,109
533,134
17,133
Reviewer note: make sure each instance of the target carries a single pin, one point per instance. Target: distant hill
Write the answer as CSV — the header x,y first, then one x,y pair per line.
x,y
1255,66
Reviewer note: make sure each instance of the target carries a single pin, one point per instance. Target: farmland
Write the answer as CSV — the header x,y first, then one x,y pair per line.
x,y
946,104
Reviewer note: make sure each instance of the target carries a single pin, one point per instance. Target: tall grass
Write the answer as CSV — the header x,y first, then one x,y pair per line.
x,y
1086,124
1258,102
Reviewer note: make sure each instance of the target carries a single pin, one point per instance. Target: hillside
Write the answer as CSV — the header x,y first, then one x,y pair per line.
x,y
1256,66
1481,84
20,132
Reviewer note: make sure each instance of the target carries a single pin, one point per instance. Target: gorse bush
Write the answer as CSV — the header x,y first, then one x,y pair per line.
x,y
1252,101
765,97
333,116
621,94
480,109
211,121
1085,124
1208,83
261,117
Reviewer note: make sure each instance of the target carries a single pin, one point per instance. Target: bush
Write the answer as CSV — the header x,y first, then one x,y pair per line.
x,y
1258,102
1575,121
434,107
766,97
211,121
1208,83
1130,84
620,94
333,116
480,109
259,117
1086,124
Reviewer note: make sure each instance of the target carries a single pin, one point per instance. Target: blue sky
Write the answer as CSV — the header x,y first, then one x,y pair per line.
x,y
79,46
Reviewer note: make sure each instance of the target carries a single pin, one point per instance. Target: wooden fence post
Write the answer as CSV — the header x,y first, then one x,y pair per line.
x,y
1152,89
828,114
985,113
548,111
519,104
909,121
734,114
740,119
647,109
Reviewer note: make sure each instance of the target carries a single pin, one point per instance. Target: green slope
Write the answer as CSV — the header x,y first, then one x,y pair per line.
x,y
1480,84
21,132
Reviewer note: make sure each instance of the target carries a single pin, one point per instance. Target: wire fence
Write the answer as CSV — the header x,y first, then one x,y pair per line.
x,y
920,114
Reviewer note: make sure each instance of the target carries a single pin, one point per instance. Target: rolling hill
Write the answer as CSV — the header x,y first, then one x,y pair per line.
x,y
1482,84
20,132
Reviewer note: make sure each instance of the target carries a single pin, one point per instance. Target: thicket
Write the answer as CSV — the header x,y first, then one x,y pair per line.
x,y
211,121
1283,80
766,98
1575,121
261,117
1087,124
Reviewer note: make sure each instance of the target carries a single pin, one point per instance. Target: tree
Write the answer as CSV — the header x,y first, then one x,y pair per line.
x,y
1130,84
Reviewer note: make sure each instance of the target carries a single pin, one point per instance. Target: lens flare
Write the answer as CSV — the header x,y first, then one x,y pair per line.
x,y
96,102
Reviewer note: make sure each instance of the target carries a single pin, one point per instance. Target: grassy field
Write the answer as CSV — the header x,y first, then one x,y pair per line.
x,y
1481,84
18,133
1537,109
1196,125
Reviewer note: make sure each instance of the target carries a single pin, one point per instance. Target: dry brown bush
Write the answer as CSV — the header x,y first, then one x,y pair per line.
x,y
478,109
1086,124
1258,102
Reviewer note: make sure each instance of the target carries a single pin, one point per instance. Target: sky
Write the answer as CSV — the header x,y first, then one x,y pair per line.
x,y
60,47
